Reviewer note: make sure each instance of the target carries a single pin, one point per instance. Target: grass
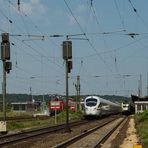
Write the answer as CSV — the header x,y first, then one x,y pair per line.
x,y
16,114
13,125
142,127
61,118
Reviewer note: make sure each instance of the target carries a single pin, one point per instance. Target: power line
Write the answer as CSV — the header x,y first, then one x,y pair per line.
x,y
9,20
136,12
118,10
39,53
91,45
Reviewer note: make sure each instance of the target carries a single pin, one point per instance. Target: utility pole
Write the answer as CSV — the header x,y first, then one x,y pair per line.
x,y
147,80
140,86
67,96
4,91
67,56
78,91
7,66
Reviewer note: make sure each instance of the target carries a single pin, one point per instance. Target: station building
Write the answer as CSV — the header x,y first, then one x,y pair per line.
x,y
140,103
25,106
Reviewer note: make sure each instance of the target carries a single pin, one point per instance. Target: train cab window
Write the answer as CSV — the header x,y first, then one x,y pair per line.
x,y
91,102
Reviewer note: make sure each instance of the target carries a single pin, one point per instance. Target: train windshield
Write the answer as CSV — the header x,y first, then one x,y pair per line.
x,y
91,102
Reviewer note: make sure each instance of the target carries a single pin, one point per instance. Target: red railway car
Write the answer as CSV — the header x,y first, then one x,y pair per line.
x,y
59,105
56,105
72,105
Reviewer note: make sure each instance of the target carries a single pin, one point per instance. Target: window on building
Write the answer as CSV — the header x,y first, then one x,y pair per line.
x,y
144,106
15,107
23,107
138,107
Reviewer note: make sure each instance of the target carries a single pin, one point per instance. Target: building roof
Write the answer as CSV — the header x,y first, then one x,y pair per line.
x,y
141,102
16,103
137,98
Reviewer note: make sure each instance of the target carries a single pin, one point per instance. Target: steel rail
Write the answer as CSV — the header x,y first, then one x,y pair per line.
x,y
80,136
14,138
20,119
104,137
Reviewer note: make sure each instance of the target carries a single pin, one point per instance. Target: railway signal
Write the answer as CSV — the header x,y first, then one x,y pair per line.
x,y
67,56
7,66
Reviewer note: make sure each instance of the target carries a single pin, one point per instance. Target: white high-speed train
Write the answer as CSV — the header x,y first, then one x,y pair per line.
x,y
127,108
95,106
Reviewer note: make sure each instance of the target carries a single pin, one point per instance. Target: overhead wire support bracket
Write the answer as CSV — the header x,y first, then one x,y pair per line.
x,y
18,3
43,37
78,39
132,35
70,35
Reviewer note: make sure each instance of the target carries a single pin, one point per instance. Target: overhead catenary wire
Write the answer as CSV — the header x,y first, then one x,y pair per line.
x,y
22,14
7,18
128,39
91,45
43,37
39,53
136,12
35,37
99,27
31,22
29,46
120,16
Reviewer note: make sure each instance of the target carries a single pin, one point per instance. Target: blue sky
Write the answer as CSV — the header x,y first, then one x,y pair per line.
x,y
109,58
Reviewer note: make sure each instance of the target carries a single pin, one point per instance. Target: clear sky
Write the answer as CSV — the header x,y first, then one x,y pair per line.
x,y
109,56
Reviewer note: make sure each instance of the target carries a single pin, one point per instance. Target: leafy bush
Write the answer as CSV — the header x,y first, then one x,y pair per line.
x,y
142,127
141,117
73,115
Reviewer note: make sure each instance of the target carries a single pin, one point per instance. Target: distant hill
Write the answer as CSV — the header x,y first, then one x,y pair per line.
x,y
25,97
21,98
113,98
117,98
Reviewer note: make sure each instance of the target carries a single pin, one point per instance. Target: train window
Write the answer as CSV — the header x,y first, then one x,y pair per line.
x,y
91,102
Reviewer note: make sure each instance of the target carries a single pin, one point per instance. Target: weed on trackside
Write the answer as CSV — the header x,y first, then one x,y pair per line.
x,y
142,127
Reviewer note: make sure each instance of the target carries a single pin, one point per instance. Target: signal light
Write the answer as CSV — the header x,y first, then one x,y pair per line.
x,y
67,50
8,66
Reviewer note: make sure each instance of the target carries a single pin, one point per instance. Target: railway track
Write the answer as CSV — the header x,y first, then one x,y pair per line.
x,y
94,137
21,119
14,138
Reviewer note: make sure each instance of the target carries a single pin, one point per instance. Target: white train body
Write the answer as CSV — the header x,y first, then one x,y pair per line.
x,y
127,108
97,107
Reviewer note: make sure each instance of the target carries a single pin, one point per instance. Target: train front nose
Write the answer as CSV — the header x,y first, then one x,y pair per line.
x,y
91,111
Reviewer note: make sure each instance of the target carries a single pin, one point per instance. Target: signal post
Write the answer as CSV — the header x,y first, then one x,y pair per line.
x,y
67,56
7,66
